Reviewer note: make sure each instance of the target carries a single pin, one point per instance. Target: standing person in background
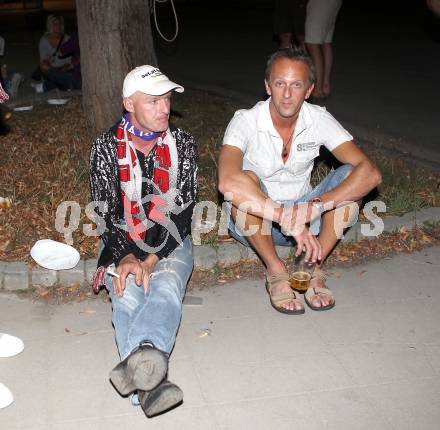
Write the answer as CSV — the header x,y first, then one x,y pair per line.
x,y
288,22
320,25
52,68
434,7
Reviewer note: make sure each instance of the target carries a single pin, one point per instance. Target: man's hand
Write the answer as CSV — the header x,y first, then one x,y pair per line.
x,y
128,265
148,266
308,243
131,265
293,223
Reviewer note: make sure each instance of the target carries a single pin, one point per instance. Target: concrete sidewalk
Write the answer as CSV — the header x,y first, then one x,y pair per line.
x,y
372,362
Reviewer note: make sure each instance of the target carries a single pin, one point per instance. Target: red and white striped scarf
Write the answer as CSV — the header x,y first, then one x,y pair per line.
x,y
130,177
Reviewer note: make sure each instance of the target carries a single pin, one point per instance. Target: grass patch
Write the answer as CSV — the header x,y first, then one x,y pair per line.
x,y
405,188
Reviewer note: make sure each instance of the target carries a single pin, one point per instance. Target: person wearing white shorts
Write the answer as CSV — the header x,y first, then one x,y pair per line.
x,y
319,28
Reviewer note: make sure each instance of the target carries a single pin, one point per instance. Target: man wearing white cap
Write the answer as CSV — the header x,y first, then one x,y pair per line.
x,y
143,177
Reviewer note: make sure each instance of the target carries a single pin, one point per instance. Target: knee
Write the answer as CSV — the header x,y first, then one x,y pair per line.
x,y
167,285
127,303
233,183
252,175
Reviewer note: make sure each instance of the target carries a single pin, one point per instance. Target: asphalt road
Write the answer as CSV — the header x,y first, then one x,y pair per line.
x,y
386,72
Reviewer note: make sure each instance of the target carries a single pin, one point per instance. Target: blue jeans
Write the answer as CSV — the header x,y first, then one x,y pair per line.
x,y
154,316
332,180
59,78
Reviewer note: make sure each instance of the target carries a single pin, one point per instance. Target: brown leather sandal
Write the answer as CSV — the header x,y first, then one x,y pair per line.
x,y
280,299
319,291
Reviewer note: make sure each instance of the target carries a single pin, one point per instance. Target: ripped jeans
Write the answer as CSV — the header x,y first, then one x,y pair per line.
x,y
154,316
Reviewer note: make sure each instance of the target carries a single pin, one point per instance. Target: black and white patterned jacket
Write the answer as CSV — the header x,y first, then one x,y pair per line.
x,y
105,187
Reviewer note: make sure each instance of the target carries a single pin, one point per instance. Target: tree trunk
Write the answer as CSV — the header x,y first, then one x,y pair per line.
x,y
115,36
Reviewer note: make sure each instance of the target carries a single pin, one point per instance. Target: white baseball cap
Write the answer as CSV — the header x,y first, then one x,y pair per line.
x,y
148,80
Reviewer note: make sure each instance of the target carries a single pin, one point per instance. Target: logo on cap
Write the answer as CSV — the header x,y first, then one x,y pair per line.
x,y
153,73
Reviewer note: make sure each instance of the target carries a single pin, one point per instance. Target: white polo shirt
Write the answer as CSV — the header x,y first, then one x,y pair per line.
x,y
252,131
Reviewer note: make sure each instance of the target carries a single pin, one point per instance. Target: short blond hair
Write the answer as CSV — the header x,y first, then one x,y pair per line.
x,y
51,19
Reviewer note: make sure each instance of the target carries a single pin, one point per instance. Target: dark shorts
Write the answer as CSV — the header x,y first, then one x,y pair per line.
x,y
332,180
289,16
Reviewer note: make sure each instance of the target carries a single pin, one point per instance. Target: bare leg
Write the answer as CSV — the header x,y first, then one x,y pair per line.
x,y
265,248
332,227
333,224
301,43
316,53
285,40
262,243
327,50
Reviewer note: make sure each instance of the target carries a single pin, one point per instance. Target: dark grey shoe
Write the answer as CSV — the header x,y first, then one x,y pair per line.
x,y
162,398
144,369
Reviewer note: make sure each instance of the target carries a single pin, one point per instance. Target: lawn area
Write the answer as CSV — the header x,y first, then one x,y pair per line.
x,y
45,162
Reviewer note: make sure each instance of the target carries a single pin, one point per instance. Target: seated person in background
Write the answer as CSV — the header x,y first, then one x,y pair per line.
x,y
54,71
70,49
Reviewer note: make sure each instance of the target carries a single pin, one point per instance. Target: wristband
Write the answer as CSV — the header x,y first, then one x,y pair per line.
x,y
317,204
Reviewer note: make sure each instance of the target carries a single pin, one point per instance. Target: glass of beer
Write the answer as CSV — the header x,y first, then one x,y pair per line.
x,y
301,273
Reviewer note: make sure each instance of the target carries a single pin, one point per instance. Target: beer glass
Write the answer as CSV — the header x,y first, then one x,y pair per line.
x,y
301,273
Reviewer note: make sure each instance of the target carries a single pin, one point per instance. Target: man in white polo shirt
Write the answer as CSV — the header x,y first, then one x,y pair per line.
x,y
264,170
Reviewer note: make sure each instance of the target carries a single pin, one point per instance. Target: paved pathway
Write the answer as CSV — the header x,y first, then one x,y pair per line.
x,y
373,362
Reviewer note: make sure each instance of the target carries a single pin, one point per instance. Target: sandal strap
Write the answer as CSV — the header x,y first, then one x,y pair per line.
x,y
276,279
316,291
281,299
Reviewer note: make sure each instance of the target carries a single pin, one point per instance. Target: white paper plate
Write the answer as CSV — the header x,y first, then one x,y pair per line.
x,y
54,255
6,397
57,101
10,345
23,108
